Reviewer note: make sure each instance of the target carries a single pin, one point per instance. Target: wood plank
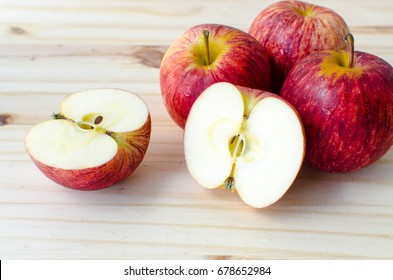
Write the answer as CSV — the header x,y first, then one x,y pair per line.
x,y
323,214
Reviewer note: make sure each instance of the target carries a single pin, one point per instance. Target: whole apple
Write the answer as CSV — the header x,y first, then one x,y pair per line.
x,y
204,55
345,100
99,138
291,30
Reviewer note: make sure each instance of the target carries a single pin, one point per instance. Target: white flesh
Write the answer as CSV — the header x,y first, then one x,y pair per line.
x,y
121,110
63,144
274,153
274,144
214,118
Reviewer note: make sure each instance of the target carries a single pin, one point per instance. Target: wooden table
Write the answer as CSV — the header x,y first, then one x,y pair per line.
x,y
49,49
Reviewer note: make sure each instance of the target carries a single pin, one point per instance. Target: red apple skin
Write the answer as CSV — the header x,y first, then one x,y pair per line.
x,y
132,149
287,35
347,112
241,61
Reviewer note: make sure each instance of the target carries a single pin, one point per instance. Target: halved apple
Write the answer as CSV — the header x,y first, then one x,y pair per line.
x,y
98,139
246,140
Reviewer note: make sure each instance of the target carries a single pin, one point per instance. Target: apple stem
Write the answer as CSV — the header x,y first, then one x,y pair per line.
x,y
206,34
60,116
351,46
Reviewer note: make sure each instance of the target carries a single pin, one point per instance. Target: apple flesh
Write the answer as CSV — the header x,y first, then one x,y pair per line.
x,y
246,140
291,30
204,55
345,100
98,139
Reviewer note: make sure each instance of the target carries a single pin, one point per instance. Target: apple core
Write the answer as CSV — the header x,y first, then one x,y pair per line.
x,y
236,147
87,123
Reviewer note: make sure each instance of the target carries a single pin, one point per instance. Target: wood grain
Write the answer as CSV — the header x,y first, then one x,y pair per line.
x,y
49,49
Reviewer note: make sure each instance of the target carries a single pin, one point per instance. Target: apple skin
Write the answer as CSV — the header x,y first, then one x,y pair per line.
x,y
291,30
132,147
347,112
236,58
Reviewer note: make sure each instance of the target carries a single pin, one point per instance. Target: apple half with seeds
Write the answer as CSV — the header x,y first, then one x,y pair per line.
x,y
99,138
246,140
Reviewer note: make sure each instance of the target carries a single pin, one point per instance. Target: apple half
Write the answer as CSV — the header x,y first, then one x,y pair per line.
x,y
98,139
246,140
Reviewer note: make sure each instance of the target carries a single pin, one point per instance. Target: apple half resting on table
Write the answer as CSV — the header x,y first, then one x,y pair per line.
x,y
246,140
98,139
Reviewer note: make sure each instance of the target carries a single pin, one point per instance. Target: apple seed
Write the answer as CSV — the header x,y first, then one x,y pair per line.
x,y
98,120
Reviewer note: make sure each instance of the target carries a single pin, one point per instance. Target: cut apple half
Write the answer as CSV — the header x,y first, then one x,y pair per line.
x,y
99,138
246,140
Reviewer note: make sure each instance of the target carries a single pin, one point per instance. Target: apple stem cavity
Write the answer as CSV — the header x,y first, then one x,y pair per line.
x,y
351,48
206,34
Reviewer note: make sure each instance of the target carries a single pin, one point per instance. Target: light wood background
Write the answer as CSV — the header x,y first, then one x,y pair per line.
x,y
49,49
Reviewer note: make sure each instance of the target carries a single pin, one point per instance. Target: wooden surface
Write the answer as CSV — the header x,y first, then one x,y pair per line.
x,y
49,49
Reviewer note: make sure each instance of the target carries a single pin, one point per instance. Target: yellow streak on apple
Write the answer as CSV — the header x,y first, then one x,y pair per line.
x,y
336,66
340,63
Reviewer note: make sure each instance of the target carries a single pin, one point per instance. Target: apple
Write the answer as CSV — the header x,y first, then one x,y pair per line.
x,y
244,139
206,54
291,30
98,139
345,99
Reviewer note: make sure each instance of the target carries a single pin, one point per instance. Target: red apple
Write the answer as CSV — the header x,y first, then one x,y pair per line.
x,y
98,139
345,100
291,30
204,55
244,140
